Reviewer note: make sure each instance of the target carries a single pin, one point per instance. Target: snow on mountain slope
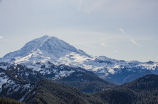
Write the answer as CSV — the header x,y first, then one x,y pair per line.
x,y
51,49
3,78
44,48
15,90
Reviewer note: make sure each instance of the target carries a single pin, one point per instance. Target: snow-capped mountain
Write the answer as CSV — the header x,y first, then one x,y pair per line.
x,y
40,51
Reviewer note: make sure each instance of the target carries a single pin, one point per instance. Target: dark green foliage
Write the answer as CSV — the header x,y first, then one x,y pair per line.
x,y
86,81
117,96
148,82
9,101
47,92
143,90
88,87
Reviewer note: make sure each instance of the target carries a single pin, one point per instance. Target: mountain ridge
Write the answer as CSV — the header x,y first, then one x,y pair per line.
x,y
143,90
51,49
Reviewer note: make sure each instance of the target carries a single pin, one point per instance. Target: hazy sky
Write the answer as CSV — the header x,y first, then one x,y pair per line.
x,y
119,29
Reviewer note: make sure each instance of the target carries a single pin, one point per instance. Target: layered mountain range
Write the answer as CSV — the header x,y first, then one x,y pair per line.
x,y
44,53
17,81
143,90
48,70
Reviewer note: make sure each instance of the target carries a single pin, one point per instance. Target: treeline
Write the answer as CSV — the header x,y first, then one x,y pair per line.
x,y
47,92
9,101
86,82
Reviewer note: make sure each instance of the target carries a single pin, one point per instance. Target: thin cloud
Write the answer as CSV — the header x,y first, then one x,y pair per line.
x,y
115,51
86,45
122,31
1,37
131,39
103,44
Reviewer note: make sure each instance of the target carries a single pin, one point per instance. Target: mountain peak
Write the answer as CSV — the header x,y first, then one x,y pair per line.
x,y
46,37
46,46
51,44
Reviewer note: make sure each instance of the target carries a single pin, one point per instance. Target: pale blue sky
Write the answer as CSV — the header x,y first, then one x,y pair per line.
x,y
119,29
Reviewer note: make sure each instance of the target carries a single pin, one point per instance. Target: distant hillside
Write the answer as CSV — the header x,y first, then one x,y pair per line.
x,y
18,80
47,92
86,82
143,90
